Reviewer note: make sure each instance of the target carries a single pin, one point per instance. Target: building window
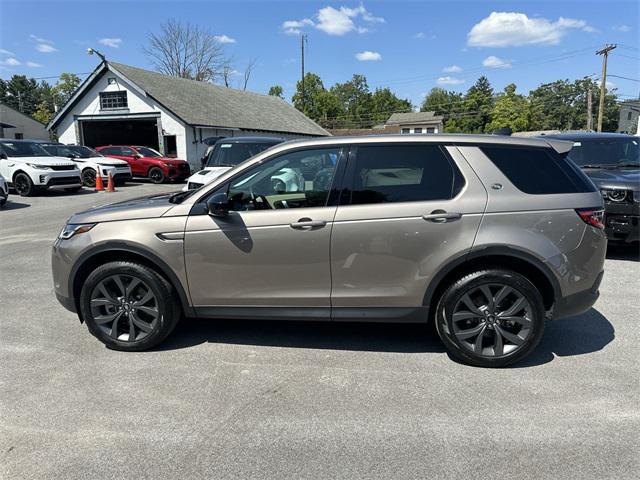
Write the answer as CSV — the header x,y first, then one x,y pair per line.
x,y
431,130
417,130
406,130
629,116
113,100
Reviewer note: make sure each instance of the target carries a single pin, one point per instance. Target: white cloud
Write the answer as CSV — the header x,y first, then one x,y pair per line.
x,y
224,39
419,35
11,62
452,69
512,29
110,42
335,21
33,65
622,28
495,62
368,56
449,81
45,48
294,27
37,39
609,85
6,52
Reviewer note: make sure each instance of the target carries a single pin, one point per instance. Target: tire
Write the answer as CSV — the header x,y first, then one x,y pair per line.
x,y
156,175
73,189
490,332
89,177
23,185
100,301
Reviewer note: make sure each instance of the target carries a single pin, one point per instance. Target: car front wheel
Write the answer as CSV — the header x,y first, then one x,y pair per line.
x,y
491,318
128,306
156,175
23,185
89,177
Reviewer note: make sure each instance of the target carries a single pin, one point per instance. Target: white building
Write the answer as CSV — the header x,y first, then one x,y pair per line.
x,y
416,122
17,125
123,105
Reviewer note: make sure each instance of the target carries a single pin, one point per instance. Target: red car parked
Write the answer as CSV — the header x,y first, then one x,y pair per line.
x,y
146,162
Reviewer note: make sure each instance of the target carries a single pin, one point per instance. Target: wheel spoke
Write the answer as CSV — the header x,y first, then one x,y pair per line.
x,y
132,330
141,324
131,287
486,291
118,282
515,308
502,293
105,293
148,296
97,302
149,311
498,346
114,326
522,320
477,346
466,299
516,340
471,332
100,319
458,316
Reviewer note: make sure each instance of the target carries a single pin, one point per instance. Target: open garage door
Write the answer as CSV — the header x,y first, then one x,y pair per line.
x,y
96,133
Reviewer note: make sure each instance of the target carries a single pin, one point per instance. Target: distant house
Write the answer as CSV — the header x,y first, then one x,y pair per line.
x,y
17,125
416,122
120,104
629,114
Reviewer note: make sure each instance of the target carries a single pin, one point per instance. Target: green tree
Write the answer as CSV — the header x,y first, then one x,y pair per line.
x,y
510,110
442,102
384,102
22,94
43,114
307,104
65,87
478,104
355,98
276,91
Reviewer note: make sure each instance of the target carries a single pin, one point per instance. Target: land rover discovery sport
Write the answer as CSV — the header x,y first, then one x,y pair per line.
x,y
486,236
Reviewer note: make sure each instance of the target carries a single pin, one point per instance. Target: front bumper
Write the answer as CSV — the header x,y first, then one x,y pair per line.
x,y
64,179
622,228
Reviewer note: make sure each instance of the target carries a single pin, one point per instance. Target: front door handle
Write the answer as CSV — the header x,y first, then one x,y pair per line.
x,y
307,224
440,216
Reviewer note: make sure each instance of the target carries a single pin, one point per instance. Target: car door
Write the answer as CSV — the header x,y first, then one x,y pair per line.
x,y
272,250
138,167
407,208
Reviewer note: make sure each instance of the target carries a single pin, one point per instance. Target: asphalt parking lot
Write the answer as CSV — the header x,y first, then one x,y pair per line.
x,y
238,399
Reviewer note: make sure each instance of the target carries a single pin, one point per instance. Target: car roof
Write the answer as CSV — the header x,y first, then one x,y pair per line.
x,y
274,140
579,136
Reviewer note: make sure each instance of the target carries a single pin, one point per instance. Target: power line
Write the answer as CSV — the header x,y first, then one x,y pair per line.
x,y
624,78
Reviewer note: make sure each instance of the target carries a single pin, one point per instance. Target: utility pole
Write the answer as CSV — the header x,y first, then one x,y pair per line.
x,y
303,38
603,81
589,111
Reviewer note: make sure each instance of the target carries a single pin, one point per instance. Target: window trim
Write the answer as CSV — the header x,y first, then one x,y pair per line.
x,y
349,175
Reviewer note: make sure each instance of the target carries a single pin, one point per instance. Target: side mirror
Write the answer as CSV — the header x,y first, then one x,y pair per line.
x,y
137,156
218,205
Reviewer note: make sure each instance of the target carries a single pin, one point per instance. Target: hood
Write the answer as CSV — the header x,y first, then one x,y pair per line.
x,y
144,207
49,160
628,178
106,161
211,172
171,161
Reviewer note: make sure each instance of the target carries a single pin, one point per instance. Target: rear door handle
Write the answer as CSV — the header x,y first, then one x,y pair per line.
x,y
441,216
307,223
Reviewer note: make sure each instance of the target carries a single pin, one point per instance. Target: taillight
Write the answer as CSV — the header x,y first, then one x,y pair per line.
x,y
592,216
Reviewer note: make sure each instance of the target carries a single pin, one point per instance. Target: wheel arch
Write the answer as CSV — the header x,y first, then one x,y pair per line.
x,y
18,171
119,252
491,257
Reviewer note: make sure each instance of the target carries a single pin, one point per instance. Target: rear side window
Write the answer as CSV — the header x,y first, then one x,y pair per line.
x,y
538,171
403,173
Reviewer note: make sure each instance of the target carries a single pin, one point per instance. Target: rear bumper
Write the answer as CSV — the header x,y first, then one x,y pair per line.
x,y
579,302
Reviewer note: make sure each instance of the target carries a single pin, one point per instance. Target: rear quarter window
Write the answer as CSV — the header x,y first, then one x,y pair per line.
x,y
538,171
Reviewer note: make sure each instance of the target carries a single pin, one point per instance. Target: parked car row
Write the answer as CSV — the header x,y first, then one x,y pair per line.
x,y
30,166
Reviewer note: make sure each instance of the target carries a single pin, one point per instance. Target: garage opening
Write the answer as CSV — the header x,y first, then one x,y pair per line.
x,y
97,133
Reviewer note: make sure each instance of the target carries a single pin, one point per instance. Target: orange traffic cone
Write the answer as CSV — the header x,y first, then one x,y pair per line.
x,y
99,185
110,187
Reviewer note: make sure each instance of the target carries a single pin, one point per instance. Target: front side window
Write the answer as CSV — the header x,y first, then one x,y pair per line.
x,y
293,180
113,100
127,152
403,173
148,152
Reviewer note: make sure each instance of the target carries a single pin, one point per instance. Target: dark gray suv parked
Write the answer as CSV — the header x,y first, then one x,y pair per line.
x,y
486,236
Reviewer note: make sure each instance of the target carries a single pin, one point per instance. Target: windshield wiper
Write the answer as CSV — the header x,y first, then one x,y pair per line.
x,y
627,165
592,165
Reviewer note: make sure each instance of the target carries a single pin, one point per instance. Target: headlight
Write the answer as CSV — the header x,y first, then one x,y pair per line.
x,y
38,167
70,230
614,195
167,164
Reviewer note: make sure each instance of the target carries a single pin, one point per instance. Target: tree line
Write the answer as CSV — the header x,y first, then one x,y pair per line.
x,y
559,105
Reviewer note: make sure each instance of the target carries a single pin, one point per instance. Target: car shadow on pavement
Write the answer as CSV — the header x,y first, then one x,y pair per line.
x,y
11,205
624,252
379,337
583,334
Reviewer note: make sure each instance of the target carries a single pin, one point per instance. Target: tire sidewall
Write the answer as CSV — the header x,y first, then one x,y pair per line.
x,y
153,180
455,292
95,175
31,189
164,297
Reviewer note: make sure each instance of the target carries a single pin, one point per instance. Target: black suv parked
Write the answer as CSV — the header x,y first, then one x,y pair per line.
x,y
612,161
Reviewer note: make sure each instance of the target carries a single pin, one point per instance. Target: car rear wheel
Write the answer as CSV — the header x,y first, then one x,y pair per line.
x,y
89,177
156,175
128,306
491,318
23,185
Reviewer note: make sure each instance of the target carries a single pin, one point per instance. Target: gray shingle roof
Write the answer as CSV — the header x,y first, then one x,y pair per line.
x,y
199,103
413,117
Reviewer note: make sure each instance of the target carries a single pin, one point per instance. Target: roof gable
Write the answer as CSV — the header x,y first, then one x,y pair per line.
x,y
413,117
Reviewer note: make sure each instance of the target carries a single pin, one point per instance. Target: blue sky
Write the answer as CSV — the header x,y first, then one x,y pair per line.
x,y
408,46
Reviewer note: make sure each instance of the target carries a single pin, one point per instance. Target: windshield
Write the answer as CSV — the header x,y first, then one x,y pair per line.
x,y
148,152
23,149
232,154
83,152
606,153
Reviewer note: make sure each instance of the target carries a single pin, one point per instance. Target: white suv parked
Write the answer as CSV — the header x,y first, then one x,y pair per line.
x,y
91,162
29,168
